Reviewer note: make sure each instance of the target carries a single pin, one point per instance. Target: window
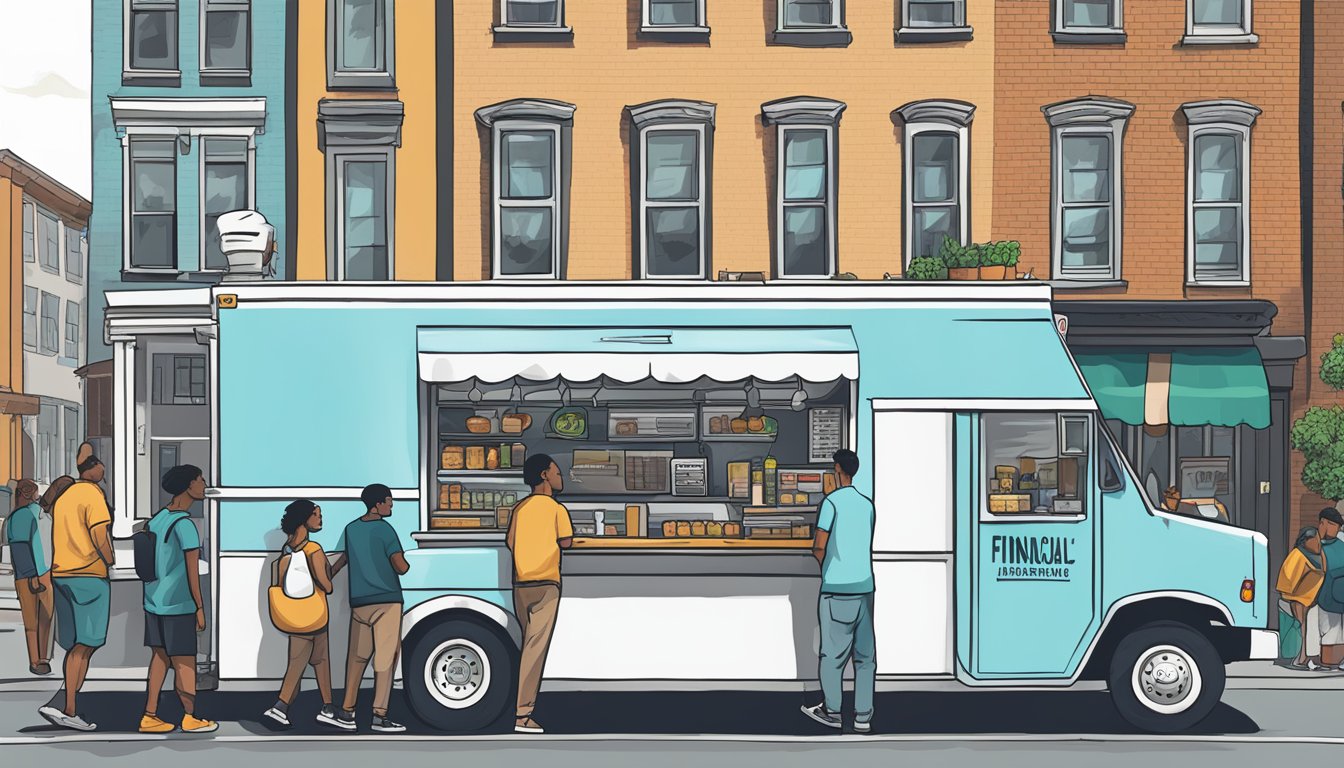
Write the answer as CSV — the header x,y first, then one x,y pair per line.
x,y
365,251
674,14
805,245
29,233
226,38
30,296
811,23
1213,22
49,465
1089,21
360,44
153,204
72,320
529,187
1086,187
71,433
360,138
225,187
1218,191
671,221
1111,476
49,241
1036,463
74,255
933,21
541,21
151,43
533,13
937,174
51,329
179,380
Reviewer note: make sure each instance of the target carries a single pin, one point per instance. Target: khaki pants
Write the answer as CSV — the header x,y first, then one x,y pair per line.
x,y
37,611
536,608
305,650
375,633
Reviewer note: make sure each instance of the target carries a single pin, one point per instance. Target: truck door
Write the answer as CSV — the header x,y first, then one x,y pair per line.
x,y
1035,555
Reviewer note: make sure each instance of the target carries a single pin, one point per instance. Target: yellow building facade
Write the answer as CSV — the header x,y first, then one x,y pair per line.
x,y
684,139
366,151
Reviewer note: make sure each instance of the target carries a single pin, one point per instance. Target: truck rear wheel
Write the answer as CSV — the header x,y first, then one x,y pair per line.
x,y
1166,677
459,675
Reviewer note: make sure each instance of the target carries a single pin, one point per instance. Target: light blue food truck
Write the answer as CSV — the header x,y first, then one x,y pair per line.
x,y
695,425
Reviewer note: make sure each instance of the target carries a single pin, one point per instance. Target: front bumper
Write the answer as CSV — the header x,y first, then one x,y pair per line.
x,y
1264,645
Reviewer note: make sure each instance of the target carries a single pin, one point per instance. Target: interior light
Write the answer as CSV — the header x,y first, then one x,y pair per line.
x,y
799,401
475,394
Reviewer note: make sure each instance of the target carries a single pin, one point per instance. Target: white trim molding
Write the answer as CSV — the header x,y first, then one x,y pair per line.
x,y
1219,34
187,116
935,117
1090,117
1219,118
806,113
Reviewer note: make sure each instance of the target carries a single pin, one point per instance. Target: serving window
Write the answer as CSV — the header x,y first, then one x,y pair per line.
x,y
1036,463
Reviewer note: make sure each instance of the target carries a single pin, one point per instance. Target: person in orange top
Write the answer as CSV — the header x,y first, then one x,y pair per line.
x,y
1300,580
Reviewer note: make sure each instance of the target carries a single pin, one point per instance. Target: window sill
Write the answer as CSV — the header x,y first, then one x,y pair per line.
x,y
534,34
820,38
354,81
51,270
75,279
1247,39
224,78
675,34
934,35
161,78
169,274
1085,285
1218,284
1109,37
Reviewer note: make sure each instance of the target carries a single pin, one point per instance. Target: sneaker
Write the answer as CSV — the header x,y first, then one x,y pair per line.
x,y
191,724
863,726
43,669
154,724
277,715
527,725
385,724
824,716
61,720
337,719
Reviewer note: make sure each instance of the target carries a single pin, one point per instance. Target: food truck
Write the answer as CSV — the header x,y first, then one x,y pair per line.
x,y
695,426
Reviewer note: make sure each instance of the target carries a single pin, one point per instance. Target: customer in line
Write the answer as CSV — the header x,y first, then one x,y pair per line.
x,y
844,548
1330,598
303,518
539,529
81,554
373,551
1299,582
174,610
32,577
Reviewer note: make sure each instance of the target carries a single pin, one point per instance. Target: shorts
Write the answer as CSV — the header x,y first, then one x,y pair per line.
x,y
1332,628
174,635
83,604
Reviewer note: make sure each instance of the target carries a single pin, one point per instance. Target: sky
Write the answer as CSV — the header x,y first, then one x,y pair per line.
x,y
44,87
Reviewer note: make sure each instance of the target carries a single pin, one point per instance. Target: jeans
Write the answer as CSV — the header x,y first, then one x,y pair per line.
x,y
846,623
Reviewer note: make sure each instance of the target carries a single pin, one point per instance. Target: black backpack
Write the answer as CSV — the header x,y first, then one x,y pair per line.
x,y
146,545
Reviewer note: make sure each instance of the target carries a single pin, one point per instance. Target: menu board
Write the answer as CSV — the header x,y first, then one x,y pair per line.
x,y
825,433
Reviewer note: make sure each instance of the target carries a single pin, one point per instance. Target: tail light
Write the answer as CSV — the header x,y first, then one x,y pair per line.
x,y
1248,591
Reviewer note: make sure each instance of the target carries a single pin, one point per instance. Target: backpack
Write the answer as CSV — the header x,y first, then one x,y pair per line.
x,y
146,547
296,606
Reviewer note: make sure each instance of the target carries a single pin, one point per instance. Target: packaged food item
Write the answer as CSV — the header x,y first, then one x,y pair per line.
x,y
714,528
1005,484
670,528
1002,471
478,425
683,528
802,531
502,516
788,481
698,528
492,458
829,483
454,457
506,456
739,479
786,499
455,522
756,424
454,496
757,483
511,424
800,498
518,454
632,526
444,497
739,426
627,428
732,530
1009,503
771,477
476,457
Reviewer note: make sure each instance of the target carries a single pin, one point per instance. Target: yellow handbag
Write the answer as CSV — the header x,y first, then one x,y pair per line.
x,y
297,607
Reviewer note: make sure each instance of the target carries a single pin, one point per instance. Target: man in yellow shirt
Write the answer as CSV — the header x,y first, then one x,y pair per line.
x,y
81,553
539,529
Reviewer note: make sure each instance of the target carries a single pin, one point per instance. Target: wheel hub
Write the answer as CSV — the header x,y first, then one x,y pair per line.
x,y
458,672
1165,677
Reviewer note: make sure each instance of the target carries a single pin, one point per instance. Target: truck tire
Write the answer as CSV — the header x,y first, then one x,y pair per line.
x,y
459,675
1166,677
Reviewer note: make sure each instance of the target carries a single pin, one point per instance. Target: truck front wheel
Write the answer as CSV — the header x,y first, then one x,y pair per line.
x,y
1166,677
459,675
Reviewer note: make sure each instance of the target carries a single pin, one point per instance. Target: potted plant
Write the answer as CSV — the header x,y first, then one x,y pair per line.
x,y
963,262
926,268
999,261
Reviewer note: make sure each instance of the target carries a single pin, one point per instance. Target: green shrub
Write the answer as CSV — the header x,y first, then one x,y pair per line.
x,y
1319,434
1002,254
960,257
926,268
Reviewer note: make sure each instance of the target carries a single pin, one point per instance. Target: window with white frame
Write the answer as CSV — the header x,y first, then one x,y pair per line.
x,y
1218,191
179,380
29,232
1218,21
671,222
226,37
51,328
1086,190
72,321
937,174
153,204
151,36
674,14
48,241
805,185
30,328
529,139
226,186
74,255
360,138
1089,21
361,49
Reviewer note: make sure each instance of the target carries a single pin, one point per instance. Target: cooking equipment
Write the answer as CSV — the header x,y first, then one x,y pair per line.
x,y
595,471
690,477
651,425
648,471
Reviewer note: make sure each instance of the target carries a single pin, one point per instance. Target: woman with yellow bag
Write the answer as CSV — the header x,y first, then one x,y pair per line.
x,y
298,606
1300,579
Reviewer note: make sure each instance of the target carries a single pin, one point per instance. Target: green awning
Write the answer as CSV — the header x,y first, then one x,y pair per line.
x,y
1117,382
1219,386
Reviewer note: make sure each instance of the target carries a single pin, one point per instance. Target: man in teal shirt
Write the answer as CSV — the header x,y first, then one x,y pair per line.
x,y
1330,598
844,547
32,579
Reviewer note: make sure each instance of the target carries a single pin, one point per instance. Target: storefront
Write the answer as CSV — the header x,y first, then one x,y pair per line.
x,y
1199,397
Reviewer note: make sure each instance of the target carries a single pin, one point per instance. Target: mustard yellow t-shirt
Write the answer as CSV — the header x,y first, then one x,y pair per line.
x,y
78,511
538,524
